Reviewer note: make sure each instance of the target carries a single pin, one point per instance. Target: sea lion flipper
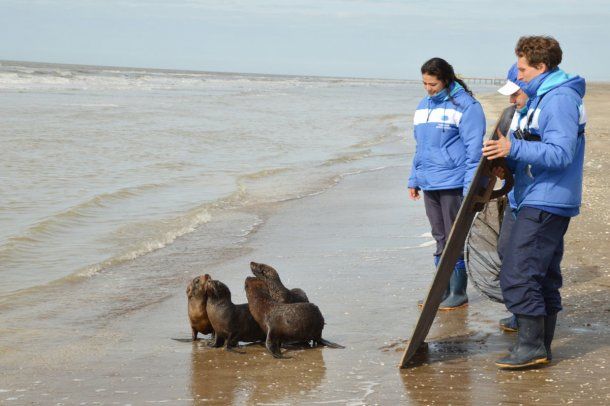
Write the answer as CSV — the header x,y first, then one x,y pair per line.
x,y
273,346
217,342
296,345
329,344
230,343
183,340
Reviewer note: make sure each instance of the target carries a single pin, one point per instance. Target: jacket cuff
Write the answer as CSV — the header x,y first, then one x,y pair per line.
x,y
514,148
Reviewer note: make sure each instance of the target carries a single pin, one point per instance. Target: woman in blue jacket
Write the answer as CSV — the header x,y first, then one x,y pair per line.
x,y
449,126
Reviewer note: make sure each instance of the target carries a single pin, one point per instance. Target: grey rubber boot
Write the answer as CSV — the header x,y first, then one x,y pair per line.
x,y
420,303
509,324
457,290
549,332
529,350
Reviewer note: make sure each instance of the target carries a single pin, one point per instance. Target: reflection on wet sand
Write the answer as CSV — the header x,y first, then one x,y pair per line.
x,y
459,338
253,377
439,384
442,367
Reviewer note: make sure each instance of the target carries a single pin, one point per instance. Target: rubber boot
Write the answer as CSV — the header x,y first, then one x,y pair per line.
x,y
509,324
457,289
529,350
549,332
437,258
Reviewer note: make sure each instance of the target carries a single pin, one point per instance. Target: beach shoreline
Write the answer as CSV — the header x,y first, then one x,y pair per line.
x,y
351,249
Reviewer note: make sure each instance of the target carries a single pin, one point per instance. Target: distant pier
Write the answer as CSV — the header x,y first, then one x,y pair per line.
x,y
484,81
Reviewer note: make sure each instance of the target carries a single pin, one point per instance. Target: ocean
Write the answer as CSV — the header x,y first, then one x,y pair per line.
x,y
103,165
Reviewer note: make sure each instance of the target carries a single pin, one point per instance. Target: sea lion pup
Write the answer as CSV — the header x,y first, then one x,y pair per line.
x,y
197,301
284,322
277,290
231,322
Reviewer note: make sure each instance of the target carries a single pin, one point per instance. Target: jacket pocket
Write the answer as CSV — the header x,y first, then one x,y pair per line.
x,y
447,157
454,153
535,215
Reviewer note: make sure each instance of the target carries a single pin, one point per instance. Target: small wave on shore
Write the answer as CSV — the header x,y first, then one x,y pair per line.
x,y
106,165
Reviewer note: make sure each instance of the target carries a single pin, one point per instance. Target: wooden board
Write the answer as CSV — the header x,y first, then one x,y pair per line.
x,y
480,192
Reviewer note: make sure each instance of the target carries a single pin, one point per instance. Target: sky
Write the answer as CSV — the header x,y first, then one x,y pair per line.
x,y
346,38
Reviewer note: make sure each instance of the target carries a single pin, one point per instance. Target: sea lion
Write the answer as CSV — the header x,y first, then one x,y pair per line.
x,y
292,322
277,290
231,322
197,301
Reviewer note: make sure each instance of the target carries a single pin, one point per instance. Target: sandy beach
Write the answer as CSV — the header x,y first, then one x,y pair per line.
x,y
349,249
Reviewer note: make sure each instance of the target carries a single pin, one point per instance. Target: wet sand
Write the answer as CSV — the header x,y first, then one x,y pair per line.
x,y
364,260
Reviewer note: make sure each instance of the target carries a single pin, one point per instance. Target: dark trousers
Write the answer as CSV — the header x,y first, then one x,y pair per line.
x,y
530,277
442,207
508,221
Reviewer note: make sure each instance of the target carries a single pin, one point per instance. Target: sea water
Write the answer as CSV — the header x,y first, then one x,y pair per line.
x,y
100,166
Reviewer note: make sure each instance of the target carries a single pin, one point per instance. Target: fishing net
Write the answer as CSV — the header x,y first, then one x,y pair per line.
x,y
481,250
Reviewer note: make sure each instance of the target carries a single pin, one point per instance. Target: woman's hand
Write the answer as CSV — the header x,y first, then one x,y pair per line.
x,y
499,148
414,193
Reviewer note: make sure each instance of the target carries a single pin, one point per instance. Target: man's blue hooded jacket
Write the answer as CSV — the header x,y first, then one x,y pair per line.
x,y
548,174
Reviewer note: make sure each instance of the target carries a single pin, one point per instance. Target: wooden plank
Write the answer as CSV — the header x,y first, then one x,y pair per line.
x,y
479,193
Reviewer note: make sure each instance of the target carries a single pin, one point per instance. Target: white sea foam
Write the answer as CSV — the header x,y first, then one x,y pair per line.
x,y
159,239
49,77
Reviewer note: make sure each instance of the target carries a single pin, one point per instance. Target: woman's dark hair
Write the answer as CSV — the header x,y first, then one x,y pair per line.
x,y
443,71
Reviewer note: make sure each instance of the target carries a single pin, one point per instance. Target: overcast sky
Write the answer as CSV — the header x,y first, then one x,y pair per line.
x,y
360,38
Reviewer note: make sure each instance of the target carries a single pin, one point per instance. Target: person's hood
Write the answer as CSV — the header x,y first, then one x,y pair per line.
x,y
445,94
548,81
533,85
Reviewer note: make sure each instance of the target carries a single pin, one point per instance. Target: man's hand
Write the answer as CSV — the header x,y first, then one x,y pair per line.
x,y
414,193
499,148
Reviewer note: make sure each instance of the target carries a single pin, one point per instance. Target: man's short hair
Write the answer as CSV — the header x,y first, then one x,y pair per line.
x,y
539,49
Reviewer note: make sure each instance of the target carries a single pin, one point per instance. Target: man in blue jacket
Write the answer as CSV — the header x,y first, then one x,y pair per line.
x,y
548,170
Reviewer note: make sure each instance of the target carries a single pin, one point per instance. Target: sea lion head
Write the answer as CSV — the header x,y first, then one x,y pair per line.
x,y
264,271
197,286
253,284
217,290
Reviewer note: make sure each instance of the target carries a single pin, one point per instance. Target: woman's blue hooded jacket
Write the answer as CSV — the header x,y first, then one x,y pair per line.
x,y
449,128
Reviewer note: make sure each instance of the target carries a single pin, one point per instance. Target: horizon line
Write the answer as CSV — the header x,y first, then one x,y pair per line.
x,y
156,69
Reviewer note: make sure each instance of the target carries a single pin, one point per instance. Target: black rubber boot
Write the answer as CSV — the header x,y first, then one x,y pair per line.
x,y
509,324
529,350
457,290
549,332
